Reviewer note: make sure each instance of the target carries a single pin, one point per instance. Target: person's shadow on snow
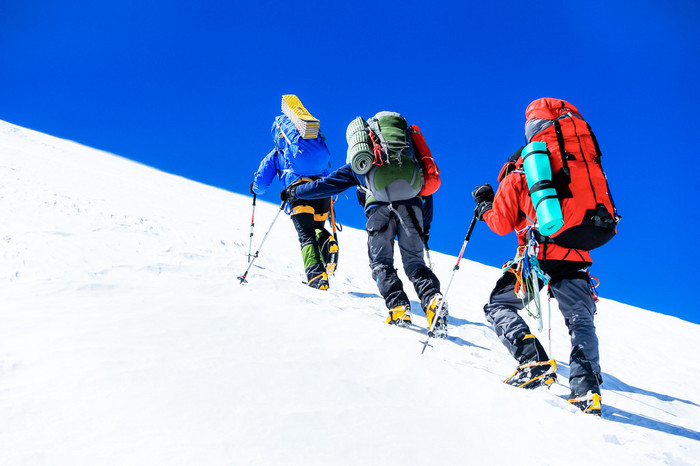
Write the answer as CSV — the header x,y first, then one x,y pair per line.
x,y
612,413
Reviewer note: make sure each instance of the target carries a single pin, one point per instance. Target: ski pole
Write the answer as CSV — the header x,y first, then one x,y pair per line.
x,y
456,267
242,277
252,224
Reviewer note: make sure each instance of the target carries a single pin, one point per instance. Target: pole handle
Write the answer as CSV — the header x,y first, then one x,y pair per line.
x,y
472,224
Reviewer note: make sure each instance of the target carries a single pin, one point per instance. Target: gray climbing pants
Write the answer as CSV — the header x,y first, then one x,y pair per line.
x,y
384,225
569,285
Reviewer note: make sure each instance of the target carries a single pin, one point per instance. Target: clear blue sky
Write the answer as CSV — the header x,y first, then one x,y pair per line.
x,y
192,87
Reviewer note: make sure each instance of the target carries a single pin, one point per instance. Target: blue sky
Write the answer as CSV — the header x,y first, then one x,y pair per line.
x,y
192,87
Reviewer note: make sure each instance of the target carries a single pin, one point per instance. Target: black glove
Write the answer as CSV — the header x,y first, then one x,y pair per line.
x,y
361,197
251,187
483,193
288,194
426,236
482,208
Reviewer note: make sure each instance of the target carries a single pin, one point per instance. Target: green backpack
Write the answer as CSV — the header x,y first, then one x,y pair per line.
x,y
394,174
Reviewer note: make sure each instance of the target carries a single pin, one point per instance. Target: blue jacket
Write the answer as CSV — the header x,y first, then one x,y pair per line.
x,y
270,166
344,178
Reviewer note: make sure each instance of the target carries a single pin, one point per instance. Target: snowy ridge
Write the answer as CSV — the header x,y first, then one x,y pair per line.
x,y
125,338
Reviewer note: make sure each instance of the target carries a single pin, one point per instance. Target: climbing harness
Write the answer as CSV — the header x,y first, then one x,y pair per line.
x,y
528,275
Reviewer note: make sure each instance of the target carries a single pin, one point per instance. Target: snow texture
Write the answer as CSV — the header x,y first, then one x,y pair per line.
x,y
125,339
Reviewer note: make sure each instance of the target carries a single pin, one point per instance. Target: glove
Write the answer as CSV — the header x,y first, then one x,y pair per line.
x,y
288,194
482,208
251,187
426,236
361,197
483,193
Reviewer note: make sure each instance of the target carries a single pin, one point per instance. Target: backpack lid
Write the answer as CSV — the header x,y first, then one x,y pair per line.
x,y
541,113
385,113
549,109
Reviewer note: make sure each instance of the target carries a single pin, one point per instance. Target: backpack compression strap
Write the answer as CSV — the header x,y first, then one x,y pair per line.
x,y
376,150
599,156
382,145
598,153
373,124
562,152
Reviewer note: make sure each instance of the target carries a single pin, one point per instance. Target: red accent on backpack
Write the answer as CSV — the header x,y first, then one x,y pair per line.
x,y
590,216
376,150
431,173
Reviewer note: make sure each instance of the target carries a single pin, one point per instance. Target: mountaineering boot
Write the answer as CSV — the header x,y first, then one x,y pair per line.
x,y
400,315
534,374
588,403
439,330
329,250
319,282
330,254
585,393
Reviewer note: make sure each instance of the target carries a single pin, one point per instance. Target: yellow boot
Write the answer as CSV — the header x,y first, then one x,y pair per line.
x,y
400,315
439,329
534,374
319,281
588,403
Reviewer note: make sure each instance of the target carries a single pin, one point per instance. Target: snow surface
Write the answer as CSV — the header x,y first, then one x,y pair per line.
x,y
125,339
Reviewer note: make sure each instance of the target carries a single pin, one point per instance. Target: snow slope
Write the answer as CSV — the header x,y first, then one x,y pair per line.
x,y
125,339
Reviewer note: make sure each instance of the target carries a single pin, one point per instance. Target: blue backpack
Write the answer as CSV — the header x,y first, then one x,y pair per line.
x,y
302,157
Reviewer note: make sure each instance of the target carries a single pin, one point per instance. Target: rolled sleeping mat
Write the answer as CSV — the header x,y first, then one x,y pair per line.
x,y
538,172
360,155
306,124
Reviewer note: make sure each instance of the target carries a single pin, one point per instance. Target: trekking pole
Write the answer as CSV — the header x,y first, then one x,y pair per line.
x,y
536,298
242,277
330,269
549,320
252,224
456,267
335,233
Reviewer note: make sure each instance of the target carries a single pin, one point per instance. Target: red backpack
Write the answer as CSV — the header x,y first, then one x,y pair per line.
x,y
590,216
